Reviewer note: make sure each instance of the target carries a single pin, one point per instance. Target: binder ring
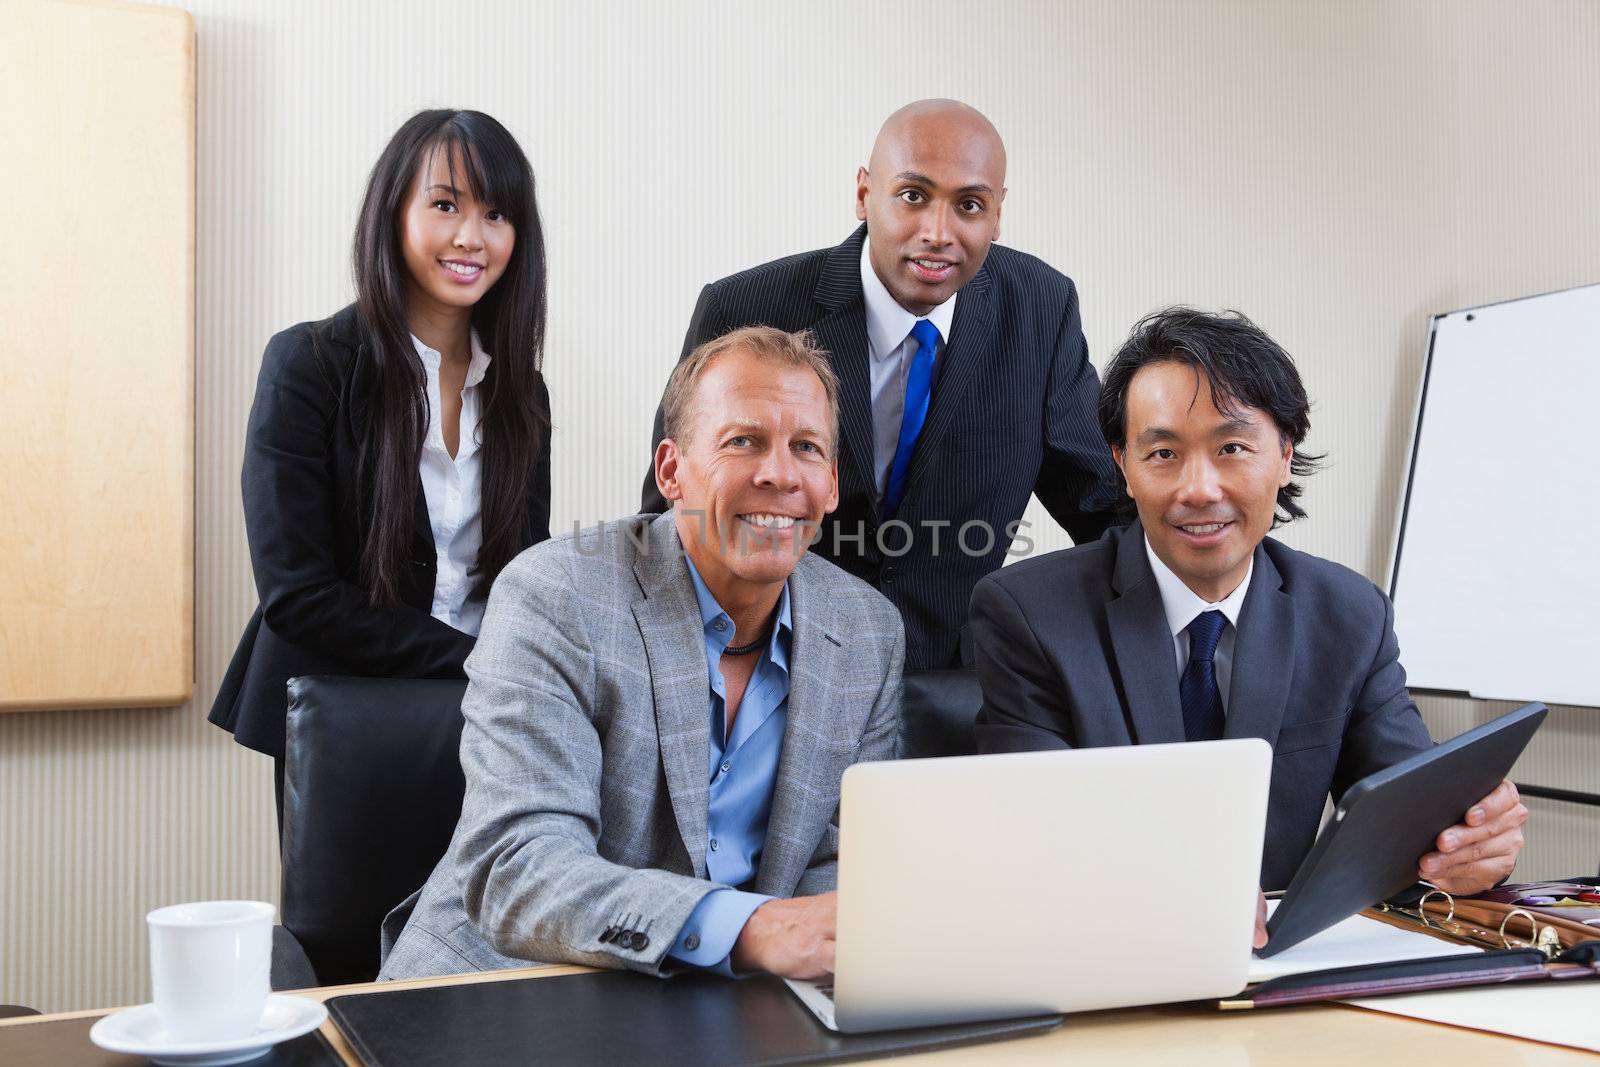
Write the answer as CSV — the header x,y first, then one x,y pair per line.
x,y
1422,909
1533,934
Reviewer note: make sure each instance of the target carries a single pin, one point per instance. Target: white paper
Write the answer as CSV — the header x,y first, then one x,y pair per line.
x,y
1561,1013
1357,940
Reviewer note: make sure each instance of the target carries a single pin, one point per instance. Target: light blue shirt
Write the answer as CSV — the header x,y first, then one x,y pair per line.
x,y
743,768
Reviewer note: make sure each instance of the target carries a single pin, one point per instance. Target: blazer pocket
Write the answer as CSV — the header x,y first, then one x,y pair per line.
x,y
844,750
1319,733
833,760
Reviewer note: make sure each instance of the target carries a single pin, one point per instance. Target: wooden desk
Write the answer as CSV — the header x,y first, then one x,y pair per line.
x,y
1182,1035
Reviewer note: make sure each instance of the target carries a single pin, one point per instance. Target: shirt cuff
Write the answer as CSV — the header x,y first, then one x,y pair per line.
x,y
706,940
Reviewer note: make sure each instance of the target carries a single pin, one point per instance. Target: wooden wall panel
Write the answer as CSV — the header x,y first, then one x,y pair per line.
x,y
97,356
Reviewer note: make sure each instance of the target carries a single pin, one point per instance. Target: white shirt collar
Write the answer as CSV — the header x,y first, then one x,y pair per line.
x,y
887,322
1183,605
477,364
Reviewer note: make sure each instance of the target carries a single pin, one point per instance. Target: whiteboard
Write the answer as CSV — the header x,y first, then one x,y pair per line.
x,y
1496,576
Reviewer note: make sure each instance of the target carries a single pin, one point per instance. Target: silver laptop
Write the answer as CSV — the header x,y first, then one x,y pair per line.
x,y
988,887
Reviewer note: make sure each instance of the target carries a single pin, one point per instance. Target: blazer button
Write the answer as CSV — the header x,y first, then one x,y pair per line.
x,y
611,931
638,941
691,942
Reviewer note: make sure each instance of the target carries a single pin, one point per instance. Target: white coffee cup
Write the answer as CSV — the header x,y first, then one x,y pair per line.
x,y
209,966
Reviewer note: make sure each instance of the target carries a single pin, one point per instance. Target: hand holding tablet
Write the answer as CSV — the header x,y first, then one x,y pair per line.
x,y
1365,853
1480,851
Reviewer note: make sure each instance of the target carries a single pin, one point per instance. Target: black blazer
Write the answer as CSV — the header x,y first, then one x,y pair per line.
x,y
1012,414
302,517
1074,651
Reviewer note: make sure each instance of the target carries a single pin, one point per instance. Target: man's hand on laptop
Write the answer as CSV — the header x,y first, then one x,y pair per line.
x,y
789,938
1260,940
1478,853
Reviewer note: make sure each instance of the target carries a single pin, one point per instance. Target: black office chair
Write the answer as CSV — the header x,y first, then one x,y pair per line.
x,y
16,1011
938,712
372,791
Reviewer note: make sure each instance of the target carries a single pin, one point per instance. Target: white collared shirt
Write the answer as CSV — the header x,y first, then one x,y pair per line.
x,y
1183,605
890,348
453,489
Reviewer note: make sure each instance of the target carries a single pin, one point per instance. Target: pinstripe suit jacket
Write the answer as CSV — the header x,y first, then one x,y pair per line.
x,y
585,749
1012,414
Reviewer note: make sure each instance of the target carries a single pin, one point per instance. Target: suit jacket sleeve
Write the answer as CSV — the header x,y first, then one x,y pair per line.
x,y
705,324
880,741
1385,726
1077,480
1022,709
289,512
526,857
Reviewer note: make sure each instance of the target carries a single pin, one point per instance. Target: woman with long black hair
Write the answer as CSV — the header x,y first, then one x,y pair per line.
x,y
398,453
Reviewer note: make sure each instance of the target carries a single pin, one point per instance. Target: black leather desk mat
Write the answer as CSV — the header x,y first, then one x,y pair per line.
x,y
65,1043
623,1018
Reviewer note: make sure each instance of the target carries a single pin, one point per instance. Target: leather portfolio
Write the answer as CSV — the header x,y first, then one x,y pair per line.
x,y
622,1017
1533,931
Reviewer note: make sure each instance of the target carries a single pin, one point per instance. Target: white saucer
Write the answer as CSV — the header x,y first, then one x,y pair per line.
x,y
137,1032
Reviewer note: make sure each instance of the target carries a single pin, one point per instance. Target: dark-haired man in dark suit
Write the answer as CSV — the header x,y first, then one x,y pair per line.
x,y
966,382
1192,624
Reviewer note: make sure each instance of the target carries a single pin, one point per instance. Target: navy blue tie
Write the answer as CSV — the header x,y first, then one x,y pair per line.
x,y
1202,700
919,384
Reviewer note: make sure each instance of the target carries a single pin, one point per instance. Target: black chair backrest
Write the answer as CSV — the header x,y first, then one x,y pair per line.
x,y
372,791
373,787
938,712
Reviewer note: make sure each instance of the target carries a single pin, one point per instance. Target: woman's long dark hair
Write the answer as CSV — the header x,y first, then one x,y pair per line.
x,y
510,320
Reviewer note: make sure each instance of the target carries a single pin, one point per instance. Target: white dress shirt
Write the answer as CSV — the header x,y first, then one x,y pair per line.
x,y
1183,605
453,489
891,348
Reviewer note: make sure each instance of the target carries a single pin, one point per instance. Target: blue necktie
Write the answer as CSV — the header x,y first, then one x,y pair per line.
x,y
919,383
1202,700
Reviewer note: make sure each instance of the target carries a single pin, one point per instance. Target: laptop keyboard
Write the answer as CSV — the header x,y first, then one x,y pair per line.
x,y
826,990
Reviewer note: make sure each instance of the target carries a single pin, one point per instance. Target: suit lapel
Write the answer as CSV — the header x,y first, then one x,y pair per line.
x,y
1143,646
971,345
1263,656
674,641
345,330
842,333
810,740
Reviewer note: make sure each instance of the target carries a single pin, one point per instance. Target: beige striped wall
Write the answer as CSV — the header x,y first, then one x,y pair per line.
x,y
1338,170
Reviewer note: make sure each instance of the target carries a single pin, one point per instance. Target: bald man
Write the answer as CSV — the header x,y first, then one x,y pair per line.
x,y
965,381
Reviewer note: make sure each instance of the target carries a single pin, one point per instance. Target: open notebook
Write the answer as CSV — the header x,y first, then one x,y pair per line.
x,y
1355,941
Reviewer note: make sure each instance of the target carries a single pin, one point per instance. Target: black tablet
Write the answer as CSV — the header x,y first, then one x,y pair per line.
x,y
1389,820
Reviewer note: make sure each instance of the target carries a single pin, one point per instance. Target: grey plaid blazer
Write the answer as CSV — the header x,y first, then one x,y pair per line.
x,y
585,746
